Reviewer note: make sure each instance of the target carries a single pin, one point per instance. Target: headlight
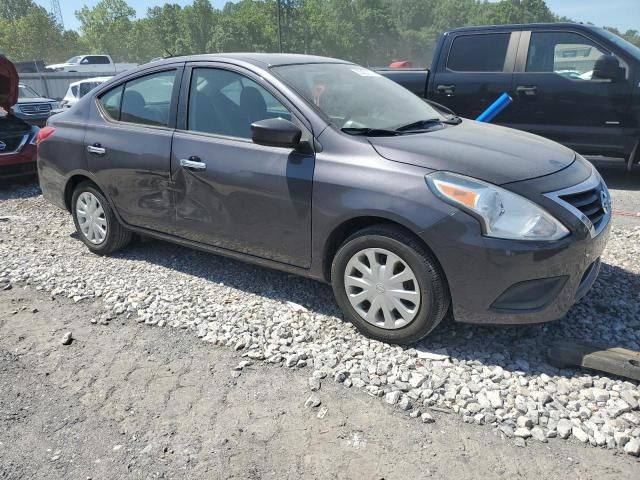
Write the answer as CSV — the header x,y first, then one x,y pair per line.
x,y
501,213
34,136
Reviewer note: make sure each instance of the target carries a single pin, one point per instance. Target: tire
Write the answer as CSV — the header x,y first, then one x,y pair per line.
x,y
421,313
115,236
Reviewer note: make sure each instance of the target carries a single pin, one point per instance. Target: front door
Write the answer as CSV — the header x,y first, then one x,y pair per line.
x,y
230,192
555,95
128,144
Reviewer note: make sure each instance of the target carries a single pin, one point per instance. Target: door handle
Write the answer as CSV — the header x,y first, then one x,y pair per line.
x,y
96,149
529,91
448,90
193,163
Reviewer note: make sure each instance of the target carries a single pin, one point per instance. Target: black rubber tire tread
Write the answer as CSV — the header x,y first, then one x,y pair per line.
x,y
432,282
118,236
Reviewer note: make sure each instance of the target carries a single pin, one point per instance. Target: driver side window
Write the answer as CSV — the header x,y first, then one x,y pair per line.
x,y
564,53
227,103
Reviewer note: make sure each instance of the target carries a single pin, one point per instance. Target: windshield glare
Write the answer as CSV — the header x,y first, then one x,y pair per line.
x,y
355,97
27,92
73,60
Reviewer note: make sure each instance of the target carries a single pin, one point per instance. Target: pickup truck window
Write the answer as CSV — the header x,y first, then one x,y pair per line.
x,y
478,53
96,60
565,53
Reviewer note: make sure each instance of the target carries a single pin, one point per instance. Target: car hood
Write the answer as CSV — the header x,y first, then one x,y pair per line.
x,y
22,101
487,152
59,65
8,84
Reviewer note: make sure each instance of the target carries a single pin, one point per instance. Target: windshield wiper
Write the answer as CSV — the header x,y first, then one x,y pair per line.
x,y
370,132
423,124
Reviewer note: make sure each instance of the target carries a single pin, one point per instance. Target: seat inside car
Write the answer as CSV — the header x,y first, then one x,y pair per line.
x,y
135,109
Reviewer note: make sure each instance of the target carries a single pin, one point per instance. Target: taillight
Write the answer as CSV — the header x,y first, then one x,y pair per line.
x,y
44,133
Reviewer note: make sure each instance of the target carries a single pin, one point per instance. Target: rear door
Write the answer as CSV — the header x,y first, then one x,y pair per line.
x,y
231,192
128,143
555,95
474,69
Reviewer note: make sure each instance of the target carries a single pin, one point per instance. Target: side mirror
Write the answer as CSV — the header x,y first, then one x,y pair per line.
x,y
275,132
607,67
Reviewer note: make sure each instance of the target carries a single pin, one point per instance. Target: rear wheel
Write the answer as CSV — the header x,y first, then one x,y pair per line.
x,y
95,221
389,285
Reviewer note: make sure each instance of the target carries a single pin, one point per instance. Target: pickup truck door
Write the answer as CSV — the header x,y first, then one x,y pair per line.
x,y
473,70
555,96
230,192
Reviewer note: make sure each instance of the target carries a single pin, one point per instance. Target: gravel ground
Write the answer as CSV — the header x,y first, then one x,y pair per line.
x,y
492,376
128,401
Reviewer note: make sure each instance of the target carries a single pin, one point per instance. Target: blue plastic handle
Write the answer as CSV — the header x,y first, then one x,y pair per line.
x,y
495,108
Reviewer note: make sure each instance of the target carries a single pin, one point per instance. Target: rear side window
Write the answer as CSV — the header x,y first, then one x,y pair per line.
x,y
110,102
478,53
145,100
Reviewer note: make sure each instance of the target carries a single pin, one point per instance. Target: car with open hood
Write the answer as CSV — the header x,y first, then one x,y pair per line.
x,y
328,170
17,137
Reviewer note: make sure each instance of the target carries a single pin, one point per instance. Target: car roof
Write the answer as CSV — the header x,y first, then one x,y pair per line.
x,y
93,79
258,59
523,26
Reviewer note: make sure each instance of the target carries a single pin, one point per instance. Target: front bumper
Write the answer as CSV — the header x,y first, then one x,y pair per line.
x,y
19,164
496,281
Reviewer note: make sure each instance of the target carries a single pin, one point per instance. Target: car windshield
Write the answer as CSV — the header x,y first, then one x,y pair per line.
x,y
27,92
357,99
74,60
628,47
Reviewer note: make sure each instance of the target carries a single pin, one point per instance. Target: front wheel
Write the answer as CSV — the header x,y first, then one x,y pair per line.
x,y
389,285
95,221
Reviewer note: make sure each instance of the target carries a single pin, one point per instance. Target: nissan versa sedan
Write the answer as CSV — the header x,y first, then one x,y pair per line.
x,y
325,169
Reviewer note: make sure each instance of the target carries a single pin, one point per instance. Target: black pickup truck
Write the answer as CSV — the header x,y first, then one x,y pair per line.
x,y
576,84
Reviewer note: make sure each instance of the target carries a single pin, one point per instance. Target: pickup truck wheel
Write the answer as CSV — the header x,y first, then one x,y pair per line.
x,y
389,285
95,222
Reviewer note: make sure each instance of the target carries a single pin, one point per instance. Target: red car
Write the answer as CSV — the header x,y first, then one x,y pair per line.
x,y
17,137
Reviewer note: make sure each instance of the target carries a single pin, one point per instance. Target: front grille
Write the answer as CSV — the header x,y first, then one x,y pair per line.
x,y
11,144
588,200
589,203
35,108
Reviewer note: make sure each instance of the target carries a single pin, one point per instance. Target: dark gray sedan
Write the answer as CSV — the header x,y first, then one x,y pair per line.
x,y
326,169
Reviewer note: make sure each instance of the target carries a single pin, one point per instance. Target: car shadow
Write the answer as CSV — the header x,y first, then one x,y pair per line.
x,y
19,187
605,316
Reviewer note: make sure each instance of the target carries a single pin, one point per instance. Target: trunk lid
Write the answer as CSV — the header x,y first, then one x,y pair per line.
x,y
8,84
491,153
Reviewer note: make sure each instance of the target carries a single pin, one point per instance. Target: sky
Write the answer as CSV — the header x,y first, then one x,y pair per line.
x,y
621,14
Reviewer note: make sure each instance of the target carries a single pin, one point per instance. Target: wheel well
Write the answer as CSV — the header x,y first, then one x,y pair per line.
x,y
348,228
72,183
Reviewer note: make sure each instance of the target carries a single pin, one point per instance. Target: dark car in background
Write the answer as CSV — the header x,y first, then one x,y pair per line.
x,y
17,137
576,84
325,169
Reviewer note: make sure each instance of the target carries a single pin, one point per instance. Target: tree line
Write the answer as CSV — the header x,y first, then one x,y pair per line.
x,y
371,32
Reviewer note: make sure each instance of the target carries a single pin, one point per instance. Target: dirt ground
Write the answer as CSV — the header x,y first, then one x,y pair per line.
x,y
131,401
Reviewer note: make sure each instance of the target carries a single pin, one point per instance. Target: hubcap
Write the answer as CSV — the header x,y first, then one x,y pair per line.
x,y
91,218
382,288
